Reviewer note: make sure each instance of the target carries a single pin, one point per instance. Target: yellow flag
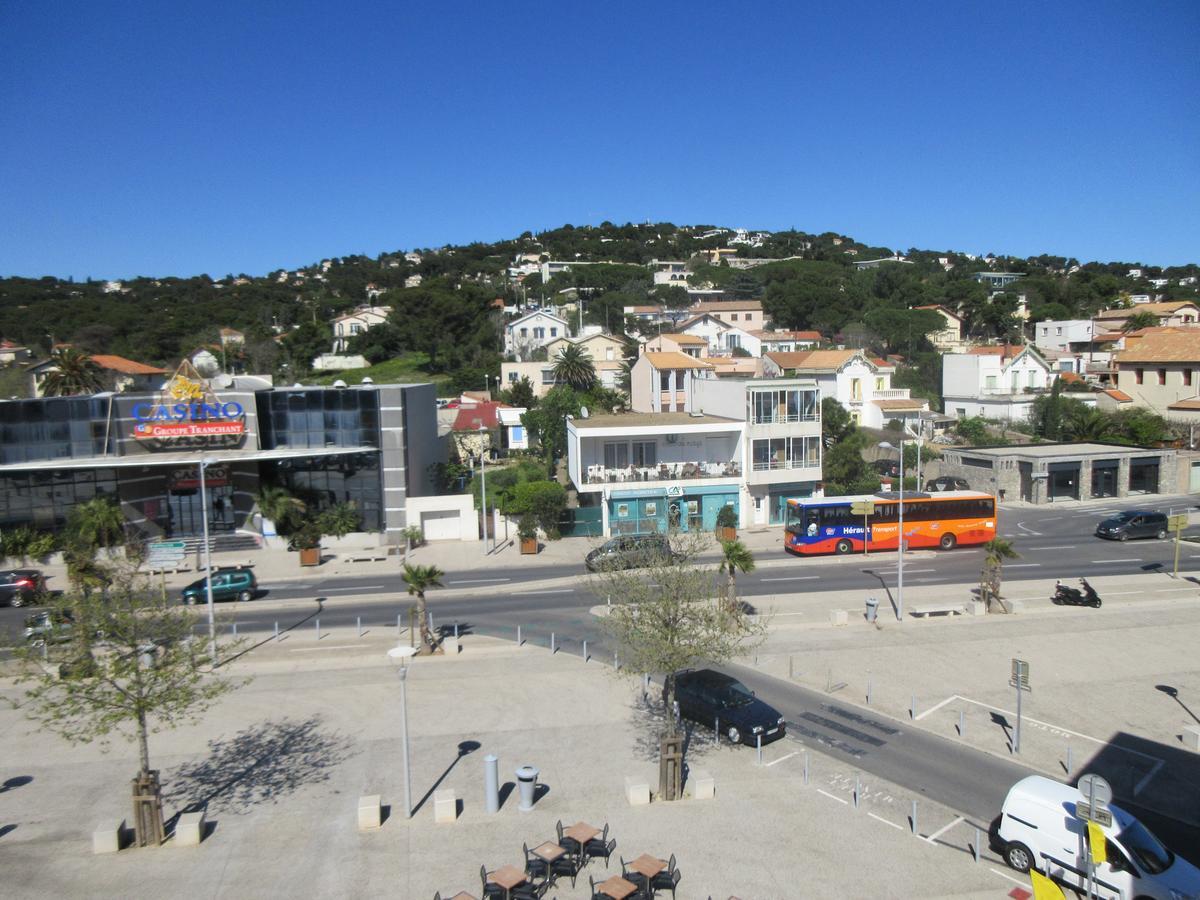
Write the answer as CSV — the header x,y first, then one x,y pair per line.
x,y
1096,840
1044,888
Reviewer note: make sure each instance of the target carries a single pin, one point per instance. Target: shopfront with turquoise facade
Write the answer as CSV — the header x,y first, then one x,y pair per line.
x,y
648,510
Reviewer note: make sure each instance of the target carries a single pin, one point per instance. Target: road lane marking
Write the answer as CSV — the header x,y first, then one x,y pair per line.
x,y
331,647
884,821
1096,562
1171,590
934,708
1023,566
532,593
1021,525
478,580
793,578
782,758
361,587
1059,547
937,834
831,797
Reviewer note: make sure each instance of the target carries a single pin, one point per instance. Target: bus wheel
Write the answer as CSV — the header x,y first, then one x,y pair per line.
x,y
948,541
844,546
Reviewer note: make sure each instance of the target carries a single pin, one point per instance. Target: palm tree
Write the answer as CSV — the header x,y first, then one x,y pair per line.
x,y
574,367
96,523
1090,425
996,551
277,504
74,373
1139,320
735,557
420,579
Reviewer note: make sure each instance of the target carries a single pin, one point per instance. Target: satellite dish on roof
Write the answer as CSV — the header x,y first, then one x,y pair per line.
x,y
583,412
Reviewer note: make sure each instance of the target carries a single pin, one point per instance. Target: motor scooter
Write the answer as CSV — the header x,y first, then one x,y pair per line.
x,y
1069,596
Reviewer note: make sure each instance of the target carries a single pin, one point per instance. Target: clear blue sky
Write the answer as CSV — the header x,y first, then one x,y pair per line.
x,y
176,138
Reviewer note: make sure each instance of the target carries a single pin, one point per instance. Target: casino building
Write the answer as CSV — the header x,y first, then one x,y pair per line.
x,y
370,444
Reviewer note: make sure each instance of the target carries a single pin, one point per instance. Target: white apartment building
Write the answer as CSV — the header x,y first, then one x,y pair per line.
x,y
862,384
1161,372
605,351
995,382
363,319
537,329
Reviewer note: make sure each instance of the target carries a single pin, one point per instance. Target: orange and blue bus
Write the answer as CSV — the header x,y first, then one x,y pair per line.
x,y
943,519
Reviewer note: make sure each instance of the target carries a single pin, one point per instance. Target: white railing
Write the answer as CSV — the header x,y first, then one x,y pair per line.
x,y
773,464
679,471
892,394
785,419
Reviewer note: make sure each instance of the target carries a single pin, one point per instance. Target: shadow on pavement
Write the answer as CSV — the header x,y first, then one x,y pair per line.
x,y
15,782
464,748
261,764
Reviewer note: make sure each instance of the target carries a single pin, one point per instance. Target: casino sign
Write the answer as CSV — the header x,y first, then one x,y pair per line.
x,y
188,413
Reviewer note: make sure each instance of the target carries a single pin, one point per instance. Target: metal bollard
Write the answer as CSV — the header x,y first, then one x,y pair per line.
x,y
399,630
1069,766
519,641
616,662
791,667
975,846
609,599
431,621
913,819
318,624
868,690
491,783
857,789
552,650
276,632
585,655
717,730
645,685
358,624
960,723
806,767
758,741
912,710
235,629
456,631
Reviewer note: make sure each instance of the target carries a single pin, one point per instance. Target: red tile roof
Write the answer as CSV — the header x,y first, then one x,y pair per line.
x,y
125,366
1119,396
469,418
999,350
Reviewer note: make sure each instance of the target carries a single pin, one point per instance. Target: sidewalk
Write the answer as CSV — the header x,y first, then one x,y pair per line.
x,y
282,762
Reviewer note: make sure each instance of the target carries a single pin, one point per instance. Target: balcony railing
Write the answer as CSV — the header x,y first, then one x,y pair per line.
x,y
769,465
785,419
682,471
892,394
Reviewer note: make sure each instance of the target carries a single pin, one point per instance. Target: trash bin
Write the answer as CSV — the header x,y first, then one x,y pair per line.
x,y
526,782
872,608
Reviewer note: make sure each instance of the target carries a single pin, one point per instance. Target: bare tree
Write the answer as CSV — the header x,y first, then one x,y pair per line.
x,y
671,617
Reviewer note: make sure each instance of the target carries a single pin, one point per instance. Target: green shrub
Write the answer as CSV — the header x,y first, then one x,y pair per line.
x,y
545,501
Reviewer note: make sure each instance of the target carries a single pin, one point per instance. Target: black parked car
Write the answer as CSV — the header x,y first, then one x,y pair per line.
x,y
1133,523
946,483
20,587
706,696
630,551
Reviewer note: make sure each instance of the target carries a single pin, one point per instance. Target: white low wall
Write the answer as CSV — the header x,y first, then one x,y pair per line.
x,y
449,517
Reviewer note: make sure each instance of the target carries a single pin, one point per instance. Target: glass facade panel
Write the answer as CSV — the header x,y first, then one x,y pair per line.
x,y
54,428
319,418
44,499
324,481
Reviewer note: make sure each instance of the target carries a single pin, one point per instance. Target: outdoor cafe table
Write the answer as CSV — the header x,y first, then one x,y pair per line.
x,y
648,866
616,887
581,832
549,851
508,877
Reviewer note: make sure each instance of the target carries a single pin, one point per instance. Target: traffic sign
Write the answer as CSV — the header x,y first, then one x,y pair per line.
x,y
1178,521
1100,815
1020,675
163,546
1097,789
862,508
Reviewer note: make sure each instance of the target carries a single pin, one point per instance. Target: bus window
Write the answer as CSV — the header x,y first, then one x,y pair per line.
x,y
811,522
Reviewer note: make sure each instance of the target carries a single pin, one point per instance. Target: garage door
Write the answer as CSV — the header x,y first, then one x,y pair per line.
x,y
441,525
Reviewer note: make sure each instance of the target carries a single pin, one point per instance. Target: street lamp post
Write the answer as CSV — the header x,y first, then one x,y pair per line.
x,y
401,654
212,622
483,485
900,536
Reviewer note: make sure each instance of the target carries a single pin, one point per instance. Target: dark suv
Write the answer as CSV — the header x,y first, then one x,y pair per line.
x,y
630,551
20,587
1133,523
227,584
947,483
709,697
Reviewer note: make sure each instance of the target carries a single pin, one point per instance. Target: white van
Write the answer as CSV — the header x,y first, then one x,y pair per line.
x,y
1039,830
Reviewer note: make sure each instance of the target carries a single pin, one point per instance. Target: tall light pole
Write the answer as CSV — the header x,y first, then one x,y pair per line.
x,y
900,534
401,655
483,484
212,622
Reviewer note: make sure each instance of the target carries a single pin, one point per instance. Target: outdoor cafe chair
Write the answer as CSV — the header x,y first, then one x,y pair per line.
x,y
566,865
567,843
535,866
490,888
600,847
668,879
639,894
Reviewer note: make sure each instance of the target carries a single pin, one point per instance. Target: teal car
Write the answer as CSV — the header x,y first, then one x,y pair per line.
x,y
227,584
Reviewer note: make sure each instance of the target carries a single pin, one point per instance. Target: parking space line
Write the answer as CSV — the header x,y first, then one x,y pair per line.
x,y
884,821
782,758
831,797
1007,877
936,708
937,834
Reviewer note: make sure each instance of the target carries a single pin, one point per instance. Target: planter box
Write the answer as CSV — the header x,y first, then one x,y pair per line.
x,y
311,557
726,534
529,545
